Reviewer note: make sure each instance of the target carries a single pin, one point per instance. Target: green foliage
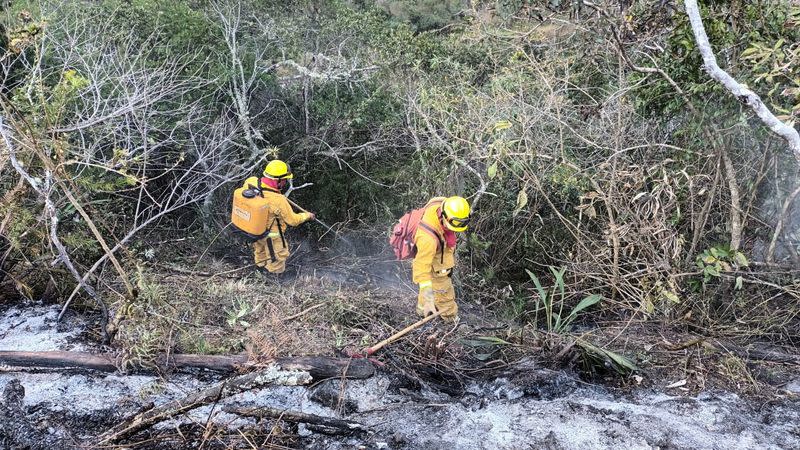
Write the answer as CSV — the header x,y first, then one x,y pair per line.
x,y
719,259
172,27
604,357
772,55
240,308
547,301
423,14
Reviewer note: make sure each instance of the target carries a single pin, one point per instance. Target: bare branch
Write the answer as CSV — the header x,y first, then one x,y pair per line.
x,y
742,93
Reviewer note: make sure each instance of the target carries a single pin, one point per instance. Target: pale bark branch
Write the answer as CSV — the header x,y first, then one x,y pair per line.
x,y
742,93
273,375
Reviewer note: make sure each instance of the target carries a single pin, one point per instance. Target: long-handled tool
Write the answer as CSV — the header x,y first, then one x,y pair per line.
x,y
328,227
371,350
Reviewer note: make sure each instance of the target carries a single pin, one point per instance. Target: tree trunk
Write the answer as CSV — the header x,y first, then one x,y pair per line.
x,y
318,366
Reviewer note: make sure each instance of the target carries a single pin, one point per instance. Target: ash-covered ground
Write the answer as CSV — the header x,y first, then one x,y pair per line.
x,y
527,407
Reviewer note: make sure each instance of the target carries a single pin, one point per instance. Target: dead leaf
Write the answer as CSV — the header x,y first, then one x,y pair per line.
x,y
676,384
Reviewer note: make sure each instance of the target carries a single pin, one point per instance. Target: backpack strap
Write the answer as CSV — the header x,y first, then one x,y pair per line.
x,y
280,230
439,240
271,249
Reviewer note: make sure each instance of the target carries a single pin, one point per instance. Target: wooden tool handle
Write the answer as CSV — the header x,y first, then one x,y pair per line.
x,y
401,333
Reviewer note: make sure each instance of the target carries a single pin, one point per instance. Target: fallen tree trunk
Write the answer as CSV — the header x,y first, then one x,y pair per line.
x,y
272,375
749,353
318,366
292,416
757,354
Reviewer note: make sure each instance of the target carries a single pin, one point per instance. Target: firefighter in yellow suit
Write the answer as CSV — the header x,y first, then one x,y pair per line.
x,y
433,264
272,251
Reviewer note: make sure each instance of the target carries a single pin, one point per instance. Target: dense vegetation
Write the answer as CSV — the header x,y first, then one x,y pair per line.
x,y
587,135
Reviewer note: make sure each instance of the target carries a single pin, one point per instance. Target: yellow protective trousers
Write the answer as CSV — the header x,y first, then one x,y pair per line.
x,y
271,252
444,296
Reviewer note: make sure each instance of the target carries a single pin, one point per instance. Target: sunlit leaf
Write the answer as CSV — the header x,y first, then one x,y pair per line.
x,y
647,306
502,125
741,260
522,201
492,171
493,340
671,296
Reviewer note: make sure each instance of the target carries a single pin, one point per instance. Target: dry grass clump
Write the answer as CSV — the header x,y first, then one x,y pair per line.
x,y
194,311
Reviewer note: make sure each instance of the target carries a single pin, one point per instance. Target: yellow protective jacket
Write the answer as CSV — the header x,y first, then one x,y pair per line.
x,y
281,213
433,256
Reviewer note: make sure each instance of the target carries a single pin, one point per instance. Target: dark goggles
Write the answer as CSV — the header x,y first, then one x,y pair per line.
x,y
456,222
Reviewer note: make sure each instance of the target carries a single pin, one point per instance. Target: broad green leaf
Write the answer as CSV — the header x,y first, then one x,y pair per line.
x,y
492,171
585,303
741,260
749,51
671,296
709,259
539,288
621,363
493,340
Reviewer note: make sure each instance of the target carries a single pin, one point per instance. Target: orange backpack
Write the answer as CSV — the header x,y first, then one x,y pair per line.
x,y
249,213
402,237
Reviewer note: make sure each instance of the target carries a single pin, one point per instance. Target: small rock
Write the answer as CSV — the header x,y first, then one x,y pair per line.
x,y
397,438
303,431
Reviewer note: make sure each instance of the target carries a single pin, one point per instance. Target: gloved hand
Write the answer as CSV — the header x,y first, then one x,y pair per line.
x,y
428,305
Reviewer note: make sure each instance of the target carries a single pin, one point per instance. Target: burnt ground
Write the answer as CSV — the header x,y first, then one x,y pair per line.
x,y
489,383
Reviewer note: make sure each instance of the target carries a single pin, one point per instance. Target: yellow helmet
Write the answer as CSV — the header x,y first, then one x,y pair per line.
x,y
455,212
251,182
278,170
